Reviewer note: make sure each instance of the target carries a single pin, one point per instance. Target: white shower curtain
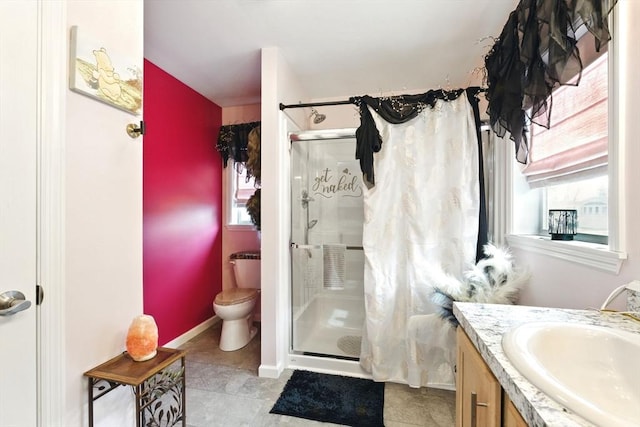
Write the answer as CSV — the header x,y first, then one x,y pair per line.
x,y
421,220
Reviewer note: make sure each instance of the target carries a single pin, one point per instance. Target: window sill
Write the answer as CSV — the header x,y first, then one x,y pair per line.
x,y
240,227
589,254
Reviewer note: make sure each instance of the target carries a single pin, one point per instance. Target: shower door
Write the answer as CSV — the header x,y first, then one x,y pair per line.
x,y
327,295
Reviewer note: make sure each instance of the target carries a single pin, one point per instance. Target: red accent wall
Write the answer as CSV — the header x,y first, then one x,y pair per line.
x,y
182,204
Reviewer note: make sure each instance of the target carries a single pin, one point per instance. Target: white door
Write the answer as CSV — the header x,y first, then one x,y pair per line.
x,y
18,121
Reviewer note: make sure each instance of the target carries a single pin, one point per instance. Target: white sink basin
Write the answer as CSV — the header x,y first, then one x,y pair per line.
x,y
592,370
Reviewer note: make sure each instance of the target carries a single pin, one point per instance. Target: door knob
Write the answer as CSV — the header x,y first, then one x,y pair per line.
x,y
12,302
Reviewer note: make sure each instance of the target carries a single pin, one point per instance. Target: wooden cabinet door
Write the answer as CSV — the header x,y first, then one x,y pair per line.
x,y
511,417
478,393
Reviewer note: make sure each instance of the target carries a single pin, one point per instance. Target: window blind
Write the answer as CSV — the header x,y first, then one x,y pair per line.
x,y
576,144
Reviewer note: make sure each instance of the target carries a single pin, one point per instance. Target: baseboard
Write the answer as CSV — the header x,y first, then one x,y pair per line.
x,y
270,371
177,342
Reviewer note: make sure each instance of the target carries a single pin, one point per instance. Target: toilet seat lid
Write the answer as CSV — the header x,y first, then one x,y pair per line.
x,y
235,296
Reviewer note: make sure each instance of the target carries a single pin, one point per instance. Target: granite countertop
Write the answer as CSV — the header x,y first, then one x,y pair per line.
x,y
486,323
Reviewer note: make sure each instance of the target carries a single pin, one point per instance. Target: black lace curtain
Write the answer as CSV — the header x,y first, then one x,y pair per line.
x,y
242,144
536,52
233,141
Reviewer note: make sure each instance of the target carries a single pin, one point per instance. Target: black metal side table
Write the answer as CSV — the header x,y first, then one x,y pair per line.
x,y
159,391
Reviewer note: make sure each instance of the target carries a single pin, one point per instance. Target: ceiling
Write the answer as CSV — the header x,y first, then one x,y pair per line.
x,y
337,48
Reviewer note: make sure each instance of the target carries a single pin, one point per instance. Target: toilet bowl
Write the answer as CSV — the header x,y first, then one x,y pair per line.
x,y
235,306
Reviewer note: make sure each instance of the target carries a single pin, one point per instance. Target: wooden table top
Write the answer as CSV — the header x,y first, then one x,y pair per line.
x,y
124,370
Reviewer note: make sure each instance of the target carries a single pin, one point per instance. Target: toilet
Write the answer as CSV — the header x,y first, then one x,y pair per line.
x,y
235,306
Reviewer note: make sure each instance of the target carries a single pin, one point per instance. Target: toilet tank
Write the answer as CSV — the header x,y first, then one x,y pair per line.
x,y
246,269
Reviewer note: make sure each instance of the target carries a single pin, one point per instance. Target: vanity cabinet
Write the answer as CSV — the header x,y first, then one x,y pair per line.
x,y
479,396
511,417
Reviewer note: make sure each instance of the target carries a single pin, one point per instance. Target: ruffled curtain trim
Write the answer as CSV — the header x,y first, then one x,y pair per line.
x,y
536,52
395,110
401,109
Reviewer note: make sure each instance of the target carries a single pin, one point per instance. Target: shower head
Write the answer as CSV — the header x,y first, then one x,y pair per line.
x,y
317,117
312,224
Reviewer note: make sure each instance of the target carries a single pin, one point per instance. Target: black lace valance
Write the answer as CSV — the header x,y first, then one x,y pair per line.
x,y
536,52
233,141
395,110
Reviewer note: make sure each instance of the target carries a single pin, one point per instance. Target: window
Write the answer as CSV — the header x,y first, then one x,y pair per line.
x,y
239,189
568,162
590,198
589,182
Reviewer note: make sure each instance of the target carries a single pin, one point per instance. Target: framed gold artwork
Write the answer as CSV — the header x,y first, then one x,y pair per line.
x,y
99,73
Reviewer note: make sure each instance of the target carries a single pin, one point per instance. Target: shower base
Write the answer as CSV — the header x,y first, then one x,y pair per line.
x,y
331,324
350,344
330,342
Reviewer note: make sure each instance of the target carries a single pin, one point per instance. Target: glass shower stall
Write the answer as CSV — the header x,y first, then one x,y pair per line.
x,y
327,295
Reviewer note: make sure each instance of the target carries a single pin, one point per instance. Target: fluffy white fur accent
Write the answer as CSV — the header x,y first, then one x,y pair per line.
x,y
494,279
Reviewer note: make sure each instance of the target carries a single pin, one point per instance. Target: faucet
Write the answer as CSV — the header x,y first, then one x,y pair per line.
x,y
633,300
631,286
305,199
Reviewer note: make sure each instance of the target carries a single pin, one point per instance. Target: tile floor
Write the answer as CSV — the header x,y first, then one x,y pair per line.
x,y
223,389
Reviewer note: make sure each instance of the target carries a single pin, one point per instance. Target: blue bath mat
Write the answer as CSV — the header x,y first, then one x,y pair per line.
x,y
332,398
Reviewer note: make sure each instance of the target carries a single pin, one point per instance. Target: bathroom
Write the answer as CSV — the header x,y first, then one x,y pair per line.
x,y
556,282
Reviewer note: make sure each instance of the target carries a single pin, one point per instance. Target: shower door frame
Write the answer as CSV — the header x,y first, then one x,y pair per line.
x,y
324,364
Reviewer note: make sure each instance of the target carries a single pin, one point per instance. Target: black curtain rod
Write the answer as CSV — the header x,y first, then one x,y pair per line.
x,y
352,100
315,104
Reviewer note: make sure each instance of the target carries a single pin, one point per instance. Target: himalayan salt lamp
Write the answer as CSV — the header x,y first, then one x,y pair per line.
x,y
142,338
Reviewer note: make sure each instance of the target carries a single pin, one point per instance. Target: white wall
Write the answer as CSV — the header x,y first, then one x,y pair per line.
x,y
103,223
279,85
558,283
